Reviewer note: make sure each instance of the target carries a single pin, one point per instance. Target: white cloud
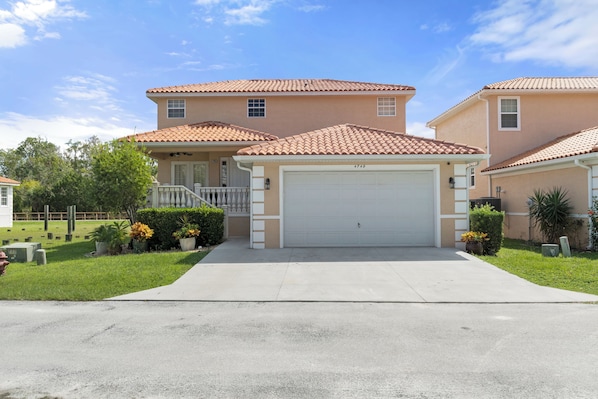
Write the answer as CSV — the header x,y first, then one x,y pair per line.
x,y
95,88
556,32
249,14
12,35
420,129
33,15
15,128
312,8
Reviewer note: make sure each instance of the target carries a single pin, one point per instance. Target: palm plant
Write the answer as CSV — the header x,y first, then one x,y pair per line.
x,y
550,212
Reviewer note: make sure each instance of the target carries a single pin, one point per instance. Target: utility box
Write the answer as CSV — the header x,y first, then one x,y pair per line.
x,y
21,252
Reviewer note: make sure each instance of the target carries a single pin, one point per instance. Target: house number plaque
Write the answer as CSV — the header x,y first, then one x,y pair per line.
x,y
359,166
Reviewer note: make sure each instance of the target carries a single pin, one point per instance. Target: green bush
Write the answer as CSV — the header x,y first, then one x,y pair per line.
x,y
550,211
487,220
165,221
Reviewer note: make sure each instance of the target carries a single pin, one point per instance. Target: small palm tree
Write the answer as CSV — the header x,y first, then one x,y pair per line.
x,y
550,212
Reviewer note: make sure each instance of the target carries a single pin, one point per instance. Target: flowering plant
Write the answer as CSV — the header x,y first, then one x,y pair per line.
x,y
140,232
187,229
474,236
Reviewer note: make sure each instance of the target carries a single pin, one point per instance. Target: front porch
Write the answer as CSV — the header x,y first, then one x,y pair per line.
x,y
234,200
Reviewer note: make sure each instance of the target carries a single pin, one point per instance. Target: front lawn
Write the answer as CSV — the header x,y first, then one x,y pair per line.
x,y
73,275
577,273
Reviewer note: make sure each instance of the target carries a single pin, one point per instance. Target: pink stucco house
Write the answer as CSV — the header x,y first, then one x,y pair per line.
x,y
540,133
309,162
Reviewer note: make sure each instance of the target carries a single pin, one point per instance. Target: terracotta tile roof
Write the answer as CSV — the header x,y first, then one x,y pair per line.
x,y
524,85
571,83
6,180
578,143
281,86
203,132
349,139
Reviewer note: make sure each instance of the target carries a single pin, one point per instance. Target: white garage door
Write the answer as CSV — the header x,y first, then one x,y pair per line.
x,y
338,209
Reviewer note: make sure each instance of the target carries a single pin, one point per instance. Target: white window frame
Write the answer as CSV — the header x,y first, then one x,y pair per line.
x,y
251,106
500,113
472,178
175,104
387,106
3,196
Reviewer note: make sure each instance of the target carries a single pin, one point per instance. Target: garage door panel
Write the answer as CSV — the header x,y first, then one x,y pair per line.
x,y
386,208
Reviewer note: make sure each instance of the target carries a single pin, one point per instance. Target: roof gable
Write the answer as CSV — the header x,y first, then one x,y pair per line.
x,y
523,85
203,132
350,139
288,86
570,145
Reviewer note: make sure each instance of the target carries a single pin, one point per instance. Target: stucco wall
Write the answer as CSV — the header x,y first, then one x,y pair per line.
x,y
518,188
543,118
289,115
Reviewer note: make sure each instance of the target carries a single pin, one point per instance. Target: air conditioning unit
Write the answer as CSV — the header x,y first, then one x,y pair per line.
x,y
492,201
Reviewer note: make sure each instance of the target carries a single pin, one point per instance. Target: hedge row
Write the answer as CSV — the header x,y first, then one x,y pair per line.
x,y
165,221
487,220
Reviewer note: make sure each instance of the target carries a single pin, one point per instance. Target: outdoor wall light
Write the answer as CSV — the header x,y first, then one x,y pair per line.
x,y
451,182
267,183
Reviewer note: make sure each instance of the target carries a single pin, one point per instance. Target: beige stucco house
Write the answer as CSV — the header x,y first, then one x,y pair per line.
x,y
312,162
6,200
540,133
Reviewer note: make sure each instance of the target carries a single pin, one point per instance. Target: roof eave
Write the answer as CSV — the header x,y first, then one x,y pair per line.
x,y
366,158
407,93
198,144
543,164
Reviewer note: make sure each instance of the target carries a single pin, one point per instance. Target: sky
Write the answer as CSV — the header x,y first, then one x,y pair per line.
x,y
73,69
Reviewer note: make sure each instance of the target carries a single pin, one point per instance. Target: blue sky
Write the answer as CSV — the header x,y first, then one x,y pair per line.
x,y
73,69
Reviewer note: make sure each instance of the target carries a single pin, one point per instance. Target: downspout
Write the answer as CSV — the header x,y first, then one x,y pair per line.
x,y
590,198
487,139
250,201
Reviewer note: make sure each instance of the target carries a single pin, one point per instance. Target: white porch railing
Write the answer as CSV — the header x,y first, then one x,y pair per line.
x,y
236,199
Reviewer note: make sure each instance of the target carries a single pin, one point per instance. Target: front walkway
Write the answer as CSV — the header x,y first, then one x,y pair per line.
x,y
233,272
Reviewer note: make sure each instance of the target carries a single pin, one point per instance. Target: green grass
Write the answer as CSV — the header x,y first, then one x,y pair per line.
x,y
73,275
577,273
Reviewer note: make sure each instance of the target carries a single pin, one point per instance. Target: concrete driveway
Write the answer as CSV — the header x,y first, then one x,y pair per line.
x,y
233,272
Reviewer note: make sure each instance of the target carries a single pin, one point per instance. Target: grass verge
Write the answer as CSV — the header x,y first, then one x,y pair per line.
x,y
73,275
577,273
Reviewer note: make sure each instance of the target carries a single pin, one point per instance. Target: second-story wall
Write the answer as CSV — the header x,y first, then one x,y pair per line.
x,y
544,117
288,115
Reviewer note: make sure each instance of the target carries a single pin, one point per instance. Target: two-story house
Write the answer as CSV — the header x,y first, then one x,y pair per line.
x,y
309,162
540,133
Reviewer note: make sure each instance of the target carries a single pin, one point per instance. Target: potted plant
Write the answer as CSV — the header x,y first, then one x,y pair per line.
x,y
140,233
102,235
474,242
186,234
120,237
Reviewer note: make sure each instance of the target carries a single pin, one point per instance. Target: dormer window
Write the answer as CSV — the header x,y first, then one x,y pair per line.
x,y
508,113
256,108
176,109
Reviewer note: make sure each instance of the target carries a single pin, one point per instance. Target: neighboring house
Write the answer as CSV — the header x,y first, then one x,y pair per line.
x,y
309,162
6,201
527,126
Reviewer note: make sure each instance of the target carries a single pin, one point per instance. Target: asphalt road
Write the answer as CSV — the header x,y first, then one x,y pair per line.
x,y
297,350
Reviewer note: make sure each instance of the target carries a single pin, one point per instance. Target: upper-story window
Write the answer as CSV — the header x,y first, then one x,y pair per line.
x,y
176,108
256,108
387,106
471,178
508,112
4,196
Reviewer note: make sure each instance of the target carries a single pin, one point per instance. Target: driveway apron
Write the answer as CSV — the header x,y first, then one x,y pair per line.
x,y
234,272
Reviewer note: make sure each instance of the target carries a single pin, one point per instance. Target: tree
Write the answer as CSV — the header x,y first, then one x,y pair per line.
x,y
122,177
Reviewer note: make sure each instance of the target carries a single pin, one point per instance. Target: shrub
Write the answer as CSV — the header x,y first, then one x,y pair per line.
x,y
166,220
550,212
141,232
115,234
487,220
